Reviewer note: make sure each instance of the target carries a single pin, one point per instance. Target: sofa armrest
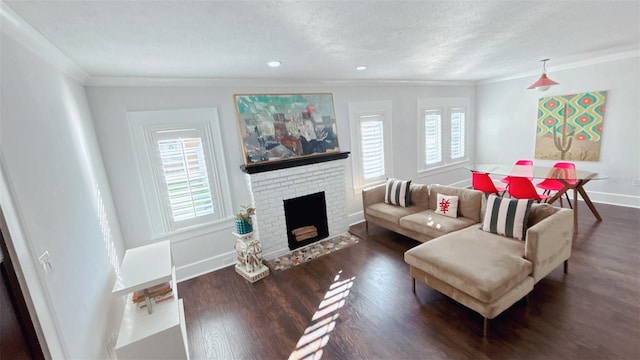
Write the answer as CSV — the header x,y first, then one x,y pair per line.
x,y
548,243
372,195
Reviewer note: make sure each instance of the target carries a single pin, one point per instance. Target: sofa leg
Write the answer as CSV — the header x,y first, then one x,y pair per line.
x,y
484,327
413,285
366,226
566,266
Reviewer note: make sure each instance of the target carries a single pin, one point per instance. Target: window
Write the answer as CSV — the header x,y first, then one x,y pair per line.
x,y
372,146
457,133
185,175
442,125
182,168
432,137
371,142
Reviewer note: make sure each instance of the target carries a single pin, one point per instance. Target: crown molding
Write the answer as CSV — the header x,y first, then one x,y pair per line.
x,y
107,81
18,29
621,54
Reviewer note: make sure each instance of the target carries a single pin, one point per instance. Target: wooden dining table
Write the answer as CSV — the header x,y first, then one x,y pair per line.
x,y
581,177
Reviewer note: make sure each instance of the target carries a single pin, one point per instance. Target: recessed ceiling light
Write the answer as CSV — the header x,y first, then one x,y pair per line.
x,y
361,67
274,63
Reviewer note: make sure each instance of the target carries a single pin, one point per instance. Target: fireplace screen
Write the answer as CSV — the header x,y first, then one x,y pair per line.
x,y
306,218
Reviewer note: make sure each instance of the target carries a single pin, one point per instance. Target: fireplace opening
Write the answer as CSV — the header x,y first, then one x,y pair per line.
x,y
306,218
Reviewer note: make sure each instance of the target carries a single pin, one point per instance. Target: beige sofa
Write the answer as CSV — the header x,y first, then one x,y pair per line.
x,y
481,270
418,221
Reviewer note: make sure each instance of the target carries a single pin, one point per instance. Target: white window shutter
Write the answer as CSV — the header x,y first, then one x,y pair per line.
x,y
372,146
185,176
432,137
457,133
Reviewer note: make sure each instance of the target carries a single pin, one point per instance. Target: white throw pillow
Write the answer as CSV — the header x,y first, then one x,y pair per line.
x,y
447,205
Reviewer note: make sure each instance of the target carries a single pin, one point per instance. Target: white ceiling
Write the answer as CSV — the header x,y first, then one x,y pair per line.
x,y
325,40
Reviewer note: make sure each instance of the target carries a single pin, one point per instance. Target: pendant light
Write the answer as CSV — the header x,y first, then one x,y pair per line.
x,y
544,82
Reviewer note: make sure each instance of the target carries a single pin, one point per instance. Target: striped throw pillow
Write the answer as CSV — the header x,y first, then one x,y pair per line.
x,y
506,217
397,192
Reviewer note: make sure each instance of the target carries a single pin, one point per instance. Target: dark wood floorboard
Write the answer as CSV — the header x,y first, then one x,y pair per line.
x,y
593,312
13,344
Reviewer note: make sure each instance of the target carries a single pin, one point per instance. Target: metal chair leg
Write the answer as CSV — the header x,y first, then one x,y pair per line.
x,y
568,200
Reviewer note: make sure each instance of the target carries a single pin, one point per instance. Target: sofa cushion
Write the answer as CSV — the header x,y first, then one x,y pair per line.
x,y
506,217
391,213
433,225
447,205
397,192
481,264
469,201
419,195
540,212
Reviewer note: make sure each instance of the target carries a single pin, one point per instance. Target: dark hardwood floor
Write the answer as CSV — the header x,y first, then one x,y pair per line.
x,y
13,342
593,312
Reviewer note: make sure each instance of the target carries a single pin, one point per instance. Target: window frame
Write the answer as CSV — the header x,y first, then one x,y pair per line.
x,y
358,110
446,106
145,126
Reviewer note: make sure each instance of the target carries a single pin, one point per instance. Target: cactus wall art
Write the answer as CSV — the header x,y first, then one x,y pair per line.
x,y
569,127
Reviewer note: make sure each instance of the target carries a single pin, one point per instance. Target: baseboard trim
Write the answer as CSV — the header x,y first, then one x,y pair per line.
x,y
205,266
221,261
356,217
614,199
595,196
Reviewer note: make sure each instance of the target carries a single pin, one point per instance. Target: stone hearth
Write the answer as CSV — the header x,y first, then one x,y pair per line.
x,y
269,190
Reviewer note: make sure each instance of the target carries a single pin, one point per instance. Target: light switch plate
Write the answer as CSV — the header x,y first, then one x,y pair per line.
x,y
45,261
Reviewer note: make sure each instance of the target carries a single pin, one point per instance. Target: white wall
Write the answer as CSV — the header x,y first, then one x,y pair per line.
x,y
51,168
204,251
506,124
52,171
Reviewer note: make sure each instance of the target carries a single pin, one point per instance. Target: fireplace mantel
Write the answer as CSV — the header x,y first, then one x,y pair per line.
x,y
299,161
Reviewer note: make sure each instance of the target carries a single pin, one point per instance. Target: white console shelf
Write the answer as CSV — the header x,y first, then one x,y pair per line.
x,y
161,334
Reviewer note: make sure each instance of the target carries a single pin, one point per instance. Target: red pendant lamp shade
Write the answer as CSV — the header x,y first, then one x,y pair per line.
x,y
544,82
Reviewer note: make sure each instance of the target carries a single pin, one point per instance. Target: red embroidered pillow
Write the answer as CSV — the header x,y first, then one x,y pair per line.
x,y
447,205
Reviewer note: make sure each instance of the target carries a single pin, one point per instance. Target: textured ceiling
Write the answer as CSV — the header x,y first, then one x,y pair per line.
x,y
397,40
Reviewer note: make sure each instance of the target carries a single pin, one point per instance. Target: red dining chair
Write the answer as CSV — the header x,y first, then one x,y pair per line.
x,y
563,170
481,181
521,163
522,188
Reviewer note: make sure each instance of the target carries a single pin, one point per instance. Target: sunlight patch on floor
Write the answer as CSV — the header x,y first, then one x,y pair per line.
x,y
316,336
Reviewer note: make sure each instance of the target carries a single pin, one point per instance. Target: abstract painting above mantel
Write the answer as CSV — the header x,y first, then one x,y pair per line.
x,y
569,127
280,127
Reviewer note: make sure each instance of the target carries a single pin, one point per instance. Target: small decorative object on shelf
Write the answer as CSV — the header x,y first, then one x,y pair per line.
x,y
244,223
155,292
249,252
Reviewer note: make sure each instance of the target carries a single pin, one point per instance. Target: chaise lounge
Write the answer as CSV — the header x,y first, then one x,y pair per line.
x,y
462,258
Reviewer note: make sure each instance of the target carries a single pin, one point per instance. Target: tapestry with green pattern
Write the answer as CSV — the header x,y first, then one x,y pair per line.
x,y
569,127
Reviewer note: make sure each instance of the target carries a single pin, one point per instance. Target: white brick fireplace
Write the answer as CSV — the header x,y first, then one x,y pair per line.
x,y
269,189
